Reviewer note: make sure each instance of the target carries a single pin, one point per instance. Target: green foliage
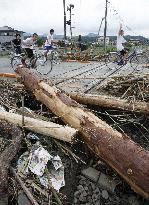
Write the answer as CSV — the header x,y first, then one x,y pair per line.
x,y
61,43
110,49
40,41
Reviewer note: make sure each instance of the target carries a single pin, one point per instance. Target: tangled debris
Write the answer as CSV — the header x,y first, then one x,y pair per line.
x,y
84,191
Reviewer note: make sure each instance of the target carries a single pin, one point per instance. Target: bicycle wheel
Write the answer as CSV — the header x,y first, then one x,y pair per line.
x,y
112,60
42,65
138,61
56,58
15,61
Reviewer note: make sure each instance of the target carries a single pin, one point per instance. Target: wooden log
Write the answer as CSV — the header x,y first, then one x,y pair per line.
x,y
7,75
60,132
25,189
111,102
125,156
7,156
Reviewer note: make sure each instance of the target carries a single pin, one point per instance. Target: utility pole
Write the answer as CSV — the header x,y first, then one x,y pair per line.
x,y
70,24
64,20
100,26
105,29
69,8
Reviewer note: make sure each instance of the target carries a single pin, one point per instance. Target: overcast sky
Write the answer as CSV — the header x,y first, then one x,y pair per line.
x,y
41,15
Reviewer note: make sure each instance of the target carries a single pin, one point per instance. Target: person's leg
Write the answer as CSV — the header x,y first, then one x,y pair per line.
x,y
46,51
29,54
23,59
126,53
16,50
47,48
19,50
32,58
122,61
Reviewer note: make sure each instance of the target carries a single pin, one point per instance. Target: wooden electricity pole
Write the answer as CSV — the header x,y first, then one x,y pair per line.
x,y
64,20
105,29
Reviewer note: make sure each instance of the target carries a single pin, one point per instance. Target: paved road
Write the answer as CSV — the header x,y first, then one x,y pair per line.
x,y
77,76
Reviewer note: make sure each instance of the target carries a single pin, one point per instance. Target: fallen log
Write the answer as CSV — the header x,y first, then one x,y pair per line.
x,y
111,102
25,189
130,80
6,157
60,132
7,75
117,149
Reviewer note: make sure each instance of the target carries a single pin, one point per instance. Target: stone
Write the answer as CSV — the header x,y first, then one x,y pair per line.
x,y
94,196
97,191
76,194
82,178
89,199
82,198
105,194
91,173
80,187
97,202
82,182
101,179
22,199
75,200
93,186
86,188
84,193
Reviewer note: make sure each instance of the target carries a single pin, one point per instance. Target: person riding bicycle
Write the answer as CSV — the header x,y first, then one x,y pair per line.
x,y
120,41
16,43
28,46
49,43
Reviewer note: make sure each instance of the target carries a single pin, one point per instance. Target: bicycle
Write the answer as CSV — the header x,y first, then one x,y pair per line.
x,y
135,58
38,61
42,61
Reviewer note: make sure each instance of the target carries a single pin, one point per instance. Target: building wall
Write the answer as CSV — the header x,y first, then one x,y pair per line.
x,y
9,37
101,40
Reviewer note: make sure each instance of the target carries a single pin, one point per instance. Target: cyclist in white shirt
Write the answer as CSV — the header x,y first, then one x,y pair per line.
x,y
49,43
120,41
28,46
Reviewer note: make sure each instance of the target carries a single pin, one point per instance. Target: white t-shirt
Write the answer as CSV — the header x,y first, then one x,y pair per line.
x,y
49,40
120,41
28,43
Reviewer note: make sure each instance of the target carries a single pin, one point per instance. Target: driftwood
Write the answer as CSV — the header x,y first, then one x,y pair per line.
x,y
25,189
111,102
118,150
42,127
7,75
6,157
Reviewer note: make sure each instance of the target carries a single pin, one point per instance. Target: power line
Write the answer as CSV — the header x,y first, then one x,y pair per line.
x,y
116,13
105,29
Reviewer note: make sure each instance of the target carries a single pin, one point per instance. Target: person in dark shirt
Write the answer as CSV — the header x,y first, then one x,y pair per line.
x,y
16,43
80,42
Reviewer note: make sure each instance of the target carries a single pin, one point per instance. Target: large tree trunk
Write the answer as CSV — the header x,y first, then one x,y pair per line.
x,y
6,157
129,159
42,127
111,102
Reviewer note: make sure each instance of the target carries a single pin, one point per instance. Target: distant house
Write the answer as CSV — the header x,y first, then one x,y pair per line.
x,y
101,40
135,41
7,34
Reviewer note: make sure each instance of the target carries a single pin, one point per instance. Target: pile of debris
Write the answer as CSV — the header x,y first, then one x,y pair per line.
x,y
84,56
63,164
